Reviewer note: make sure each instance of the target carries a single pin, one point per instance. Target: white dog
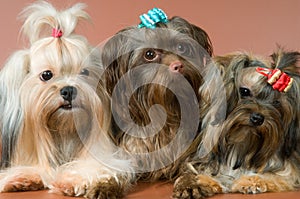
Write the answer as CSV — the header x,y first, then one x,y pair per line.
x,y
54,125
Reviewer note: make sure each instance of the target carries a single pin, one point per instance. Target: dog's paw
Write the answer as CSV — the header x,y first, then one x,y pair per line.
x,y
21,182
195,186
249,185
106,188
69,184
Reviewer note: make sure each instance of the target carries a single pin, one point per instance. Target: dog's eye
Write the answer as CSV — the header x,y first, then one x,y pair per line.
x,y
85,72
46,75
183,49
150,55
276,103
245,92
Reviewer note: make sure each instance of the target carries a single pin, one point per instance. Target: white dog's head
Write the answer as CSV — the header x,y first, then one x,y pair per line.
x,y
49,105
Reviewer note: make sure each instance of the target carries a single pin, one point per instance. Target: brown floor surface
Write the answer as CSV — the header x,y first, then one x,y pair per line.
x,y
157,191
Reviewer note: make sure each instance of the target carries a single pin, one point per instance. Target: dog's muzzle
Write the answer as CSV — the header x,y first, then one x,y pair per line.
x,y
257,119
68,93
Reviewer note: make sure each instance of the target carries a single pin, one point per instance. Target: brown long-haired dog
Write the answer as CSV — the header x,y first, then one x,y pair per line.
x,y
257,146
55,125
153,75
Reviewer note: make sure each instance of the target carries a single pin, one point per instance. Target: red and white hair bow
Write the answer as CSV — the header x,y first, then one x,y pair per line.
x,y
279,80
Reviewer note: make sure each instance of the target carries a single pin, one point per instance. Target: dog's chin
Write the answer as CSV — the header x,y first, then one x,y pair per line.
x,y
68,106
69,119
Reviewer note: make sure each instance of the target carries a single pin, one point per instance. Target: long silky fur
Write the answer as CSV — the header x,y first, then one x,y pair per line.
x,y
277,134
121,56
246,158
11,115
70,151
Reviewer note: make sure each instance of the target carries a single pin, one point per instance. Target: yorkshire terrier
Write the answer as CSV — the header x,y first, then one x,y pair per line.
x,y
257,146
55,116
153,72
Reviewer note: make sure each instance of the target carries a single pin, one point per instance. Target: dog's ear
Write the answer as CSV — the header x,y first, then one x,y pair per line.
x,y
13,74
202,38
193,31
292,137
224,61
11,77
41,17
115,57
288,61
232,64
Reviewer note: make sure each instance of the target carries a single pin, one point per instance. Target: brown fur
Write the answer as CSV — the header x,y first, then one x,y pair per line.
x,y
251,154
124,62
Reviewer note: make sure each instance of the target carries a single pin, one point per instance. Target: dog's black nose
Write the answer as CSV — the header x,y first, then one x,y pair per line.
x,y
257,119
68,93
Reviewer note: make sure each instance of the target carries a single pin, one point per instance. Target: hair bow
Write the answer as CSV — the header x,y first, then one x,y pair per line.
x,y
279,80
153,17
56,33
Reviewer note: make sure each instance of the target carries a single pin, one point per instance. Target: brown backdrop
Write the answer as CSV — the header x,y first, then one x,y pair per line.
x,y
253,25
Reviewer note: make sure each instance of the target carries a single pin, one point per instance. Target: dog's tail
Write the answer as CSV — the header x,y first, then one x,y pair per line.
x,y
41,19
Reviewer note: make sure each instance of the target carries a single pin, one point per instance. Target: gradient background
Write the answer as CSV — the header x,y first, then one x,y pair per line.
x,y
254,25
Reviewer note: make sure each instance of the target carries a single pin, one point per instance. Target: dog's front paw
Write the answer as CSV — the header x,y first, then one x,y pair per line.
x,y
106,188
195,186
249,185
69,184
21,182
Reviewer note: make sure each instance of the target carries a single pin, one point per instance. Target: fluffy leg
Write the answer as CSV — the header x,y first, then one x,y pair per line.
x,y
69,184
254,184
21,179
195,186
88,178
110,188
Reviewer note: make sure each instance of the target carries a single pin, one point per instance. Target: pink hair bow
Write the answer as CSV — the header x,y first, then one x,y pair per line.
x,y
56,33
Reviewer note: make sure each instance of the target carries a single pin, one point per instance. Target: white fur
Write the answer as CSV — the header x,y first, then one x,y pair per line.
x,y
28,104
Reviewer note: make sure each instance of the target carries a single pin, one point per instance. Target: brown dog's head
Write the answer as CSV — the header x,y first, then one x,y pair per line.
x,y
161,61
262,120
